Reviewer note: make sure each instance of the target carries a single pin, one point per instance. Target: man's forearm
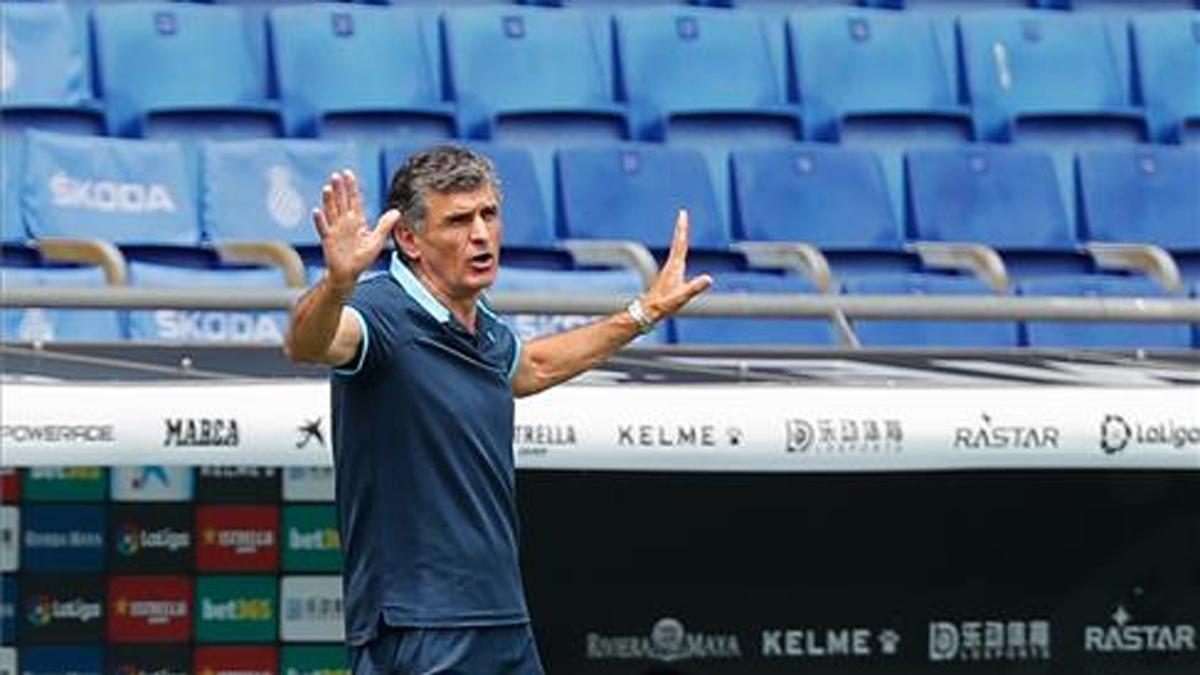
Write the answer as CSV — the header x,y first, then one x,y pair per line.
x,y
557,358
314,321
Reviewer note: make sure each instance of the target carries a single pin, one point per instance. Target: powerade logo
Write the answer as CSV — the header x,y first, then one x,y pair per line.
x,y
106,196
132,539
1117,434
200,433
57,434
46,610
214,326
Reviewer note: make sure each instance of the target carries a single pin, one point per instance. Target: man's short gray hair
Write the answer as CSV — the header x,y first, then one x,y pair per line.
x,y
441,169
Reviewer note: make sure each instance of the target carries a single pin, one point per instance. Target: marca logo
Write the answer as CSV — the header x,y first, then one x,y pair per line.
x,y
149,609
200,433
214,326
829,642
110,196
991,436
55,434
668,641
46,610
539,439
237,537
680,435
841,435
1122,636
132,539
989,640
1117,433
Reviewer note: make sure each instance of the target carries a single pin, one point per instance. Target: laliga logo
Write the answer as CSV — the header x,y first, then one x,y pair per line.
x,y
1115,433
42,613
284,202
128,542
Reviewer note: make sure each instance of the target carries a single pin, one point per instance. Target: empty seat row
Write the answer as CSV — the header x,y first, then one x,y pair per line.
x,y
327,69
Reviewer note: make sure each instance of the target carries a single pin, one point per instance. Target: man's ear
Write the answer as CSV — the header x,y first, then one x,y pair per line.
x,y
406,241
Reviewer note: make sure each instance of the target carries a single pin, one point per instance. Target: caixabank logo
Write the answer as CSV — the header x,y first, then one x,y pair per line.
x,y
236,609
65,484
61,609
236,661
310,539
149,609
151,540
237,538
152,483
63,538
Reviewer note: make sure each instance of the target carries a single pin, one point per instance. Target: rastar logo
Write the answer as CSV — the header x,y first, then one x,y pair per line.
x,y
213,326
106,196
1124,636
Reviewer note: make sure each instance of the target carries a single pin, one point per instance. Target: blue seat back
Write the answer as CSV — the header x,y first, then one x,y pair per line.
x,y
834,198
392,53
530,325
56,325
851,61
1167,52
176,57
1147,195
172,325
1107,335
756,331
669,58
1007,198
129,192
1042,63
929,334
634,192
43,64
266,189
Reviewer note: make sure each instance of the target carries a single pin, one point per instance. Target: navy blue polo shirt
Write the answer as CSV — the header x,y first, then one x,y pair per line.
x,y
426,496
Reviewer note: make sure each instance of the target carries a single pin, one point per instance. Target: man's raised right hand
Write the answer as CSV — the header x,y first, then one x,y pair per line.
x,y
348,246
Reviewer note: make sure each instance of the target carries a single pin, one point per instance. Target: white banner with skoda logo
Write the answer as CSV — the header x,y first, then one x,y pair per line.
x,y
634,427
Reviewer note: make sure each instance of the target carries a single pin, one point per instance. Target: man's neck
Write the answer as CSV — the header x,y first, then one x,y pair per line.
x,y
462,309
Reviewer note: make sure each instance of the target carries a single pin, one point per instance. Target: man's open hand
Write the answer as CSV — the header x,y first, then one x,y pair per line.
x,y
671,290
348,246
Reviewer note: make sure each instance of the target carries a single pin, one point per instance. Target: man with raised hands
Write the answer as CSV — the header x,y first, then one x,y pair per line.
x,y
423,384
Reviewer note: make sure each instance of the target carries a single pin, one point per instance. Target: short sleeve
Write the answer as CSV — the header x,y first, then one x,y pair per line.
x,y
364,346
377,330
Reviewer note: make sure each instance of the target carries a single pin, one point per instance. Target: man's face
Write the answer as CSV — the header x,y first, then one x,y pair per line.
x,y
459,249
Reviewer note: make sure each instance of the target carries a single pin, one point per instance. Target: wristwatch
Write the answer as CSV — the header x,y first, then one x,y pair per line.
x,y
639,316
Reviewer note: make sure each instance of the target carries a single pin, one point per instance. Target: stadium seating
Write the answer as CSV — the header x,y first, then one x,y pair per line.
x,y
1167,53
953,334
168,325
529,326
754,331
49,325
1147,195
832,198
372,73
669,59
174,69
1100,335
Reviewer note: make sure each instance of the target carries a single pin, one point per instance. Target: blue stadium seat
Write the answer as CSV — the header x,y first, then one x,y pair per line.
x,y
1121,6
538,77
128,192
634,191
944,5
529,236
832,197
529,326
669,59
756,331
174,69
1148,195
930,334
56,325
1004,197
1049,77
170,325
265,190
1196,326
373,73
873,68
1166,48
1101,335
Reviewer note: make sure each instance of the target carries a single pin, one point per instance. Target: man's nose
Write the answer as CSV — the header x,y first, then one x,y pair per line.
x,y
479,228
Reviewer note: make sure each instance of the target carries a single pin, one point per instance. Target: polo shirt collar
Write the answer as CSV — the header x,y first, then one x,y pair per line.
x,y
417,291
